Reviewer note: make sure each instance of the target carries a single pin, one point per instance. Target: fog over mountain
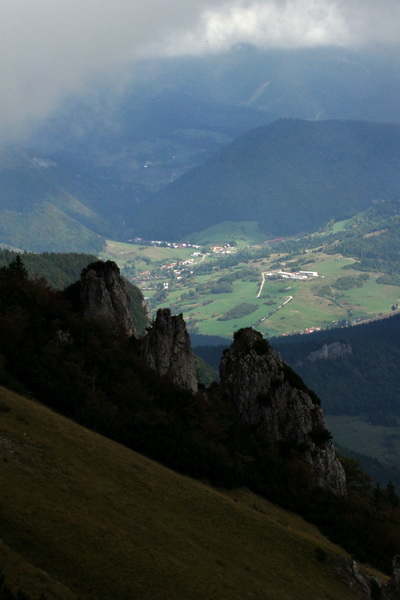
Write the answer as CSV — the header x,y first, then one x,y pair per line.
x,y
52,50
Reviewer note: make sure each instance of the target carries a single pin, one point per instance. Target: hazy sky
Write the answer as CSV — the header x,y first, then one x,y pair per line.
x,y
50,48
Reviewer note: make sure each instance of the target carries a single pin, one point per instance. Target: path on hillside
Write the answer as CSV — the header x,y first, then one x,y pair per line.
x,y
262,285
288,299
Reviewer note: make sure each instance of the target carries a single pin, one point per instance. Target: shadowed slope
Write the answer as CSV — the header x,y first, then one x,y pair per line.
x,y
108,523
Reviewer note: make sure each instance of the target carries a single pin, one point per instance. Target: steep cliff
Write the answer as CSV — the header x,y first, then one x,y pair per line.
x,y
270,396
103,295
167,349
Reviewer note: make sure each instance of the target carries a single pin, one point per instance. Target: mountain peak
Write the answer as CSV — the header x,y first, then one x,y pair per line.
x,y
104,296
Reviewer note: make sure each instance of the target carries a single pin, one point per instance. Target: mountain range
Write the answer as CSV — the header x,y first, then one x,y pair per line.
x,y
291,176
104,163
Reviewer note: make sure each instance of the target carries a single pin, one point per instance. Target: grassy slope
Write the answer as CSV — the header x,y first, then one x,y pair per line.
x,y
241,232
378,441
104,522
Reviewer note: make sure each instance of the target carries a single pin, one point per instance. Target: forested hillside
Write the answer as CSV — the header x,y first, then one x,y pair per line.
x,y
363,379
374,240
60,270
291,176
46,206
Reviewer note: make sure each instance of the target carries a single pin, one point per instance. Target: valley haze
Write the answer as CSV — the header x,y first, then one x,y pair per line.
x,y
52,50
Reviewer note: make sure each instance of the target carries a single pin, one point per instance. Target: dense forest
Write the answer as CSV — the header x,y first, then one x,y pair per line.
x,y
294,175
374,240
81,369
362,381
59,269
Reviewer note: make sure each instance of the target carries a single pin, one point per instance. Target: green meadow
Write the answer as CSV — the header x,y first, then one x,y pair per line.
x,y
243,233
378,441
318,302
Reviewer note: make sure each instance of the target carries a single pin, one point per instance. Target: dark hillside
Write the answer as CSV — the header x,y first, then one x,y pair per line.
x,y
39,210
364,381
85,518
58,269
62,269
290,176
82,369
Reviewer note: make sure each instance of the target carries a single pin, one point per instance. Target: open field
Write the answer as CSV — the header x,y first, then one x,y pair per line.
x,y
243,233
378,441
83,517
123,252
318,302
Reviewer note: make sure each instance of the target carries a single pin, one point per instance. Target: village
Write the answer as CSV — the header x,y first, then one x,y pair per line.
x,y
176,270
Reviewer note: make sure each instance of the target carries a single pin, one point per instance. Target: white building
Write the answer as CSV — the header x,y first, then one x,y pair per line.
x,y
309,273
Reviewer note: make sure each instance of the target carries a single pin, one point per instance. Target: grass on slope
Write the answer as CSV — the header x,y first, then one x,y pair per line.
x,y
107,523
380,442
243,233
142,256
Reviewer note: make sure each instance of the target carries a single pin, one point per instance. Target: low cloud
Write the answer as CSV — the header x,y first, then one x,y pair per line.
x,y
293,24
51,48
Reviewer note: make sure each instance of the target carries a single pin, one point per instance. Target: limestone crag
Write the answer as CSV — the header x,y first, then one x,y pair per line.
x,y
330,352
167,349
270,396
104,296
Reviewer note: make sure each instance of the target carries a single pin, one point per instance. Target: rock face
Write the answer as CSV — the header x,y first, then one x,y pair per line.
x,y
330,352
270,396
103,296
167,349
393,589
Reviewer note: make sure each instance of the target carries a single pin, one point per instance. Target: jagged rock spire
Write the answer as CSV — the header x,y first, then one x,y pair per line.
x,y
167,349
103,296
270,396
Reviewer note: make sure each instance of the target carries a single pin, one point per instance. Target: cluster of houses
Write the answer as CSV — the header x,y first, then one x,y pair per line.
x,y
162,244
178,268
225,249
221,249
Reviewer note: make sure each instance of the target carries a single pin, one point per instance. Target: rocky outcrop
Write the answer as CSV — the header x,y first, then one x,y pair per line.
x,y
104,296
167,349
330,352
270,396
392,590
362,581
358,579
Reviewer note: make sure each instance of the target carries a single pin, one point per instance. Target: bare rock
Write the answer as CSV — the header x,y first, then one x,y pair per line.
x,y
330,352
270,396
167,349
104,296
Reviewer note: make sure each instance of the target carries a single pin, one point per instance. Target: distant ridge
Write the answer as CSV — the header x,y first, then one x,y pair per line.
x,y
290,176
39,210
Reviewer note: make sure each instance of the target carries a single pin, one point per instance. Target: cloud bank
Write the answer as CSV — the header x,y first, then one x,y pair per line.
x,y
51,48
294,24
